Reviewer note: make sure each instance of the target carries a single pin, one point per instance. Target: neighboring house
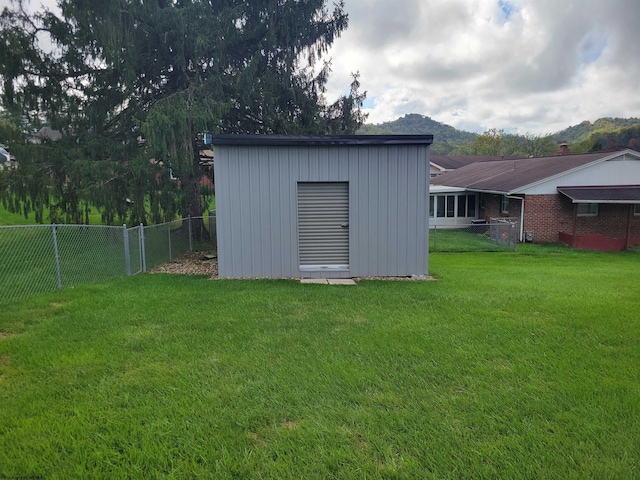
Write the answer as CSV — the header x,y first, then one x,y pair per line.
x,y
586,201
336,206
7,161
445,163
451,207
46,133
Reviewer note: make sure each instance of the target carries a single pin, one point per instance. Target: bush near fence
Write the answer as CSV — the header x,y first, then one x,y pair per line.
x,y
42,258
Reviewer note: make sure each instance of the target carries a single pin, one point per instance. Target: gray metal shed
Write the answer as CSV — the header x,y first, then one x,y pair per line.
x,y
322,206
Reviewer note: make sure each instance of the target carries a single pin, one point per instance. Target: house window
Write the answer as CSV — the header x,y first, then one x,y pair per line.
x,y
636,209
471,206
504,205
466,206
587,209
462,204
440,206
451,205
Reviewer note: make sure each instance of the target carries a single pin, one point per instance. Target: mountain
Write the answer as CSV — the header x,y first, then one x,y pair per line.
x,y
580,132
446,137
603,134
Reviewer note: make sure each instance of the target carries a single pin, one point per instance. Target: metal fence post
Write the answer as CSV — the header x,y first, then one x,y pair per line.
x,y
143,254
190,240
435,238
169,233
127,257
55,249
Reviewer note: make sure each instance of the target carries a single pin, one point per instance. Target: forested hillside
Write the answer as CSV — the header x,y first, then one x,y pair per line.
x,y
580,132
603,134
446,137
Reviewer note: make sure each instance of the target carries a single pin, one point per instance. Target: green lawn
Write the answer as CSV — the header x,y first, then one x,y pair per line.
x,y
8,218
509,365
95,217
85,254
474,238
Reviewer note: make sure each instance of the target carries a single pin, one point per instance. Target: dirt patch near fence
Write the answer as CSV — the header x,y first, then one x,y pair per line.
x,y
192,263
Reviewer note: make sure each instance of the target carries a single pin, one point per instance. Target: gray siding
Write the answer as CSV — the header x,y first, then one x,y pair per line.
x,y
256,207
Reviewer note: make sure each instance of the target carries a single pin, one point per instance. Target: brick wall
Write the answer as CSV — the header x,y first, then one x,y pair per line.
x,y
490,206
548,215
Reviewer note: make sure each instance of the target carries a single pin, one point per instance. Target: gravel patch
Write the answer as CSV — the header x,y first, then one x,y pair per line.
x,y
192,263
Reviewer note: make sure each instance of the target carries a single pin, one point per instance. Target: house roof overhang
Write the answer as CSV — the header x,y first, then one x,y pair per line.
x,y
434,189
624,194
517,177
319,140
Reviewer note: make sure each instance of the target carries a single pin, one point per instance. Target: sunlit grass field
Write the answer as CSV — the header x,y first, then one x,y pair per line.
x,y
508,365
95,217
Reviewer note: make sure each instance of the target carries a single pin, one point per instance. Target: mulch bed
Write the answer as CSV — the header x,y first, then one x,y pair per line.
x,y
192,263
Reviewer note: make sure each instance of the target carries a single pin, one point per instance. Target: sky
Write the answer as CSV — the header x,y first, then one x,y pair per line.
x,y
534,66
523,66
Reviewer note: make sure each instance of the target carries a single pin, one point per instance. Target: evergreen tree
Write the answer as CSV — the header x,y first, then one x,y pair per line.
x,y
133,84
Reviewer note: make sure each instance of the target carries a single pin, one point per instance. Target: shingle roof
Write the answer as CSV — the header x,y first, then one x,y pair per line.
x,y
452,162
48,133
605,194
510,175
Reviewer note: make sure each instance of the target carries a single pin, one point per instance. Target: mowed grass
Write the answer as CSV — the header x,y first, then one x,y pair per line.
x,y
508,365
8,218
474,238
95,216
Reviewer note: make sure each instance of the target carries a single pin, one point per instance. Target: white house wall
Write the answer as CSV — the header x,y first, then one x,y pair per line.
x,y
256,207
624,170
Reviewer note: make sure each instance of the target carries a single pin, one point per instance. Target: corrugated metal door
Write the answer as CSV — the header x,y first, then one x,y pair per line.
x,y
323,224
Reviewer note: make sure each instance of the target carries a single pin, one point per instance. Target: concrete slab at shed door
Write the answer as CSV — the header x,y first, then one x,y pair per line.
x,y
323,226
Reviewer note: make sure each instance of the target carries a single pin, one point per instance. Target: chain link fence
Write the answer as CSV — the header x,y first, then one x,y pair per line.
x,y
42,258
495,236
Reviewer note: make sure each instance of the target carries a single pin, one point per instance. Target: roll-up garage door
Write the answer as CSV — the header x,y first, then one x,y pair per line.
x,y
323,224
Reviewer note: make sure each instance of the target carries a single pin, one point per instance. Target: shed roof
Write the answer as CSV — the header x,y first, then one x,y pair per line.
x,y
603,194
510,176
317,140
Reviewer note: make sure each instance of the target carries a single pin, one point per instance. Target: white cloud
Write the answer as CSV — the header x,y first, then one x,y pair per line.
x,y
524,65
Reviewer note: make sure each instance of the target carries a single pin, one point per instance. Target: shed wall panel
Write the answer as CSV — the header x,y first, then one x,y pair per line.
x,y
256,204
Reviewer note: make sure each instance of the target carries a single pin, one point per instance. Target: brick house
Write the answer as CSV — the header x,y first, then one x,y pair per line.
x,y
587,201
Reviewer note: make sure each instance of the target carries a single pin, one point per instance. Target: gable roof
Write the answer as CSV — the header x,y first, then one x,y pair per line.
x,y
509,176
46,133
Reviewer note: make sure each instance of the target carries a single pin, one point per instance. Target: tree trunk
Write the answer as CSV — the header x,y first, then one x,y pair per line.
x,y
194,202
